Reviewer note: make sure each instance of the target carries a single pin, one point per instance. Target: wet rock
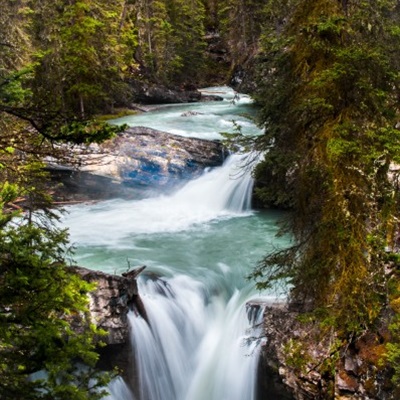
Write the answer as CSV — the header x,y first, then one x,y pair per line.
x,y
109,306
139,158
146,94
157,94
191,113
210,97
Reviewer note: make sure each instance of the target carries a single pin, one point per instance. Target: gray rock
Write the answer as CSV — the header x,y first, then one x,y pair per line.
x,y
145,93
146,157
111,301
132,163
300,364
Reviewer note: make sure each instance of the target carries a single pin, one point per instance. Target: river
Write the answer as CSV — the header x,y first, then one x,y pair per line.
x,y
198,244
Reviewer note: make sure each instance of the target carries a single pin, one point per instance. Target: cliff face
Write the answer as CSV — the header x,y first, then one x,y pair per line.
x,y
296,364
114,297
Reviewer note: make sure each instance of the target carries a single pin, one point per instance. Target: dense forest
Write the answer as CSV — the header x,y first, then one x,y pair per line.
x,y
326,77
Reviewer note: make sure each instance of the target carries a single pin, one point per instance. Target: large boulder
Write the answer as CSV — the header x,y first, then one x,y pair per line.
x,y
146,157
131,164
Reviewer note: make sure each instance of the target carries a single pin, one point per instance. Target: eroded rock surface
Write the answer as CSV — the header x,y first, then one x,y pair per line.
x,y
111,301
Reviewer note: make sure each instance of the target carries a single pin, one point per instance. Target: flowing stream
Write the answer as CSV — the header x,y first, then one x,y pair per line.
x,y
201,341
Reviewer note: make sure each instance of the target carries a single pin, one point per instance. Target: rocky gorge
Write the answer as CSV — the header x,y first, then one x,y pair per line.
x,y
294,365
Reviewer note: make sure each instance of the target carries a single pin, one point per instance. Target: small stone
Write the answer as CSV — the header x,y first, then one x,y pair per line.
x,y
346,383
350,365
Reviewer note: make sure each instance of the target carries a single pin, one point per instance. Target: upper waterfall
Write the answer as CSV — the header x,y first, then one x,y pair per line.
x,y
221,192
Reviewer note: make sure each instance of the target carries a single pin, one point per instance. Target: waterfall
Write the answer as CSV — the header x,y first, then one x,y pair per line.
x,y
194,346
221,192
118,390
225,189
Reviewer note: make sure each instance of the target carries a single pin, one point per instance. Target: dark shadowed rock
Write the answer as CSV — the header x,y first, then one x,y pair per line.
x,y
152,94
157,94
210,97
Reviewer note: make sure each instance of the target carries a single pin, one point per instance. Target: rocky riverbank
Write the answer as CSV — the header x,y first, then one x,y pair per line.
x,y
148,93
299,363
110,302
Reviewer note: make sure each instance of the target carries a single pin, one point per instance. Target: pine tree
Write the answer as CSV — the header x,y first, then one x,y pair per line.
x,y
329,86
39,294
171,39
86,52
240,22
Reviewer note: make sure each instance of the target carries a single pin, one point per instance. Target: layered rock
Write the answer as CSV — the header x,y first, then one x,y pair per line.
x,y
144,156
111,300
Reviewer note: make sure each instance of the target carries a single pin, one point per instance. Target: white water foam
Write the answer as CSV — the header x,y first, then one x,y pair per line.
x,y
194,347
223,192
118,390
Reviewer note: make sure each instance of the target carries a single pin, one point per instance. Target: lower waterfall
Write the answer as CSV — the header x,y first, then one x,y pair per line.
x,y
196,342
194,345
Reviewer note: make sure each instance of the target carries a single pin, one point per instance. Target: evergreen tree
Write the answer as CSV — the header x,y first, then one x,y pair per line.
x,y
86,52
329,88
188,20
39,295
171,39
156,41
240,22
39,300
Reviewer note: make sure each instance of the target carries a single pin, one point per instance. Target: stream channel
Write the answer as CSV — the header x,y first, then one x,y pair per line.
x,y
198,244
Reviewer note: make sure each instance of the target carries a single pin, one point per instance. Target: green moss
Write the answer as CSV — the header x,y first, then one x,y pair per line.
x,y
327,88
296,355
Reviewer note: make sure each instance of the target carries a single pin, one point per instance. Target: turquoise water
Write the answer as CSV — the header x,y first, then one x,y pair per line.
x,y
208,121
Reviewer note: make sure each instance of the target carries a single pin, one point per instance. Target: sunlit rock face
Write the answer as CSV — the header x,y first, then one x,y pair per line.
x,y
146,157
